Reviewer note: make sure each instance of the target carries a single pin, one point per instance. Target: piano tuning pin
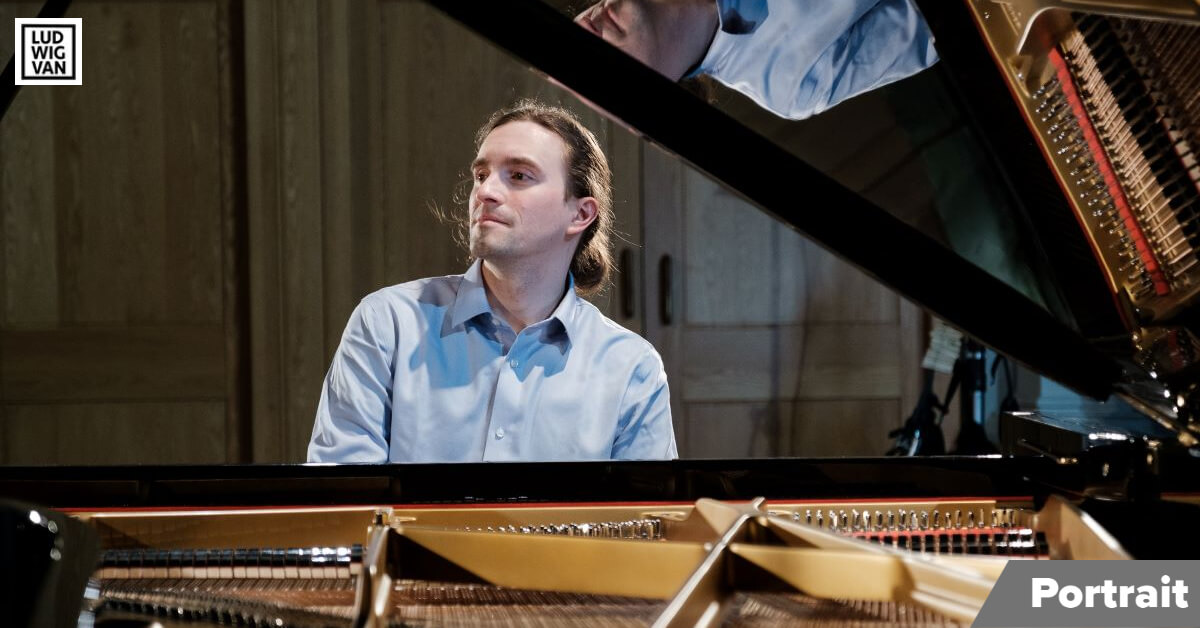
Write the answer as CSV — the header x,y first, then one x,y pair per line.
x,y
924,520
957,518
845,520
936,515
833,520
994,518
878,520
970,519
808,517
820,519
903,519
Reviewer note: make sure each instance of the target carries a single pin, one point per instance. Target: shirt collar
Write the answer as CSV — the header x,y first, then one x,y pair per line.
x,y
567,312
471,301
734,17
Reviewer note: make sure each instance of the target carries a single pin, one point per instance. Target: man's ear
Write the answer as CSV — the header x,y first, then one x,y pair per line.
x,y
586,210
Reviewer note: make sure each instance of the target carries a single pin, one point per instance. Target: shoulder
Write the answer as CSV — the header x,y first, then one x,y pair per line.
x,y
412,295
618,342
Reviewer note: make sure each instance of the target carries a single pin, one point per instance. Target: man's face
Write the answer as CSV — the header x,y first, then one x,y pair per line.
x,y
519,205
670,36
630,26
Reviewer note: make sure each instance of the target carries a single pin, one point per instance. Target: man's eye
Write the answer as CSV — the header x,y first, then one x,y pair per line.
x,y
480,176
520,176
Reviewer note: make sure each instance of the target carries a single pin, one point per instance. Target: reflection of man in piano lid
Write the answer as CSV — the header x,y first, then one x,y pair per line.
x,y
504,362
793,57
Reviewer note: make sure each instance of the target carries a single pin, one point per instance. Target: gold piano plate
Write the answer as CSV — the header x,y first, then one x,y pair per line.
x,y
635,564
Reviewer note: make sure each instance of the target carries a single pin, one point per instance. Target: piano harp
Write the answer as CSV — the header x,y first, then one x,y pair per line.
x,y
745,542
1110,97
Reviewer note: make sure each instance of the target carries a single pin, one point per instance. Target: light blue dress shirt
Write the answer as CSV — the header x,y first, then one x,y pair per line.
x,y
800,57
427,373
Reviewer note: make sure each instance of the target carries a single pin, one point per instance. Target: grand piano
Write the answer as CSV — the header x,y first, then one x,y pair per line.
x,y
901,540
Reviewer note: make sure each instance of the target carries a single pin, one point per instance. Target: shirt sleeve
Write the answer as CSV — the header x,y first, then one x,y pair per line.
x,y
800,57
645,431
354,414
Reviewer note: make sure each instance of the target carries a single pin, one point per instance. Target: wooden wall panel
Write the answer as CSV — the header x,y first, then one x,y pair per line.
x,y
839,292
734,430
117,223
853,427
742,266
191,158
284,158
27,201
117,364
851,361
783,428
265,261
302,154
118,251
743,363
114,433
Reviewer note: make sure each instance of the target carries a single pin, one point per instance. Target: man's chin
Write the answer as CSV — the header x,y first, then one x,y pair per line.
x,y
481,249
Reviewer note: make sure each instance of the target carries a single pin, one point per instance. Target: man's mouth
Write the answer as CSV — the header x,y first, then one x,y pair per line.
x,y
489,219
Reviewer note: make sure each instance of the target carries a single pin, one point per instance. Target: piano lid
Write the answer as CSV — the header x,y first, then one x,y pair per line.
x,y
899,255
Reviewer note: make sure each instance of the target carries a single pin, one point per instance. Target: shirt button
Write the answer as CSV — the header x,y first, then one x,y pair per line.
x,y
500,433
514,363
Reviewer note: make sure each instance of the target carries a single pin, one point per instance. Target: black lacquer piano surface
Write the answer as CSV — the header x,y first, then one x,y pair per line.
x,y
1091,117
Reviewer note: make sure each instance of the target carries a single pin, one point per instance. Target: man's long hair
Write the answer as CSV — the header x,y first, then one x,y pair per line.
x,y
588,174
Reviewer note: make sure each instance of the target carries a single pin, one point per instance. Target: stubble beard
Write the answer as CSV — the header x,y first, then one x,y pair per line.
x,y
483,247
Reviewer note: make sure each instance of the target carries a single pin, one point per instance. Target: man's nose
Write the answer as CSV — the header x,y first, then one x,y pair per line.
x,y
584,19
489,190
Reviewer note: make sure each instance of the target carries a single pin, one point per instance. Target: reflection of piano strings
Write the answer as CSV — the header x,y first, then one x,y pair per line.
x,y
1130,147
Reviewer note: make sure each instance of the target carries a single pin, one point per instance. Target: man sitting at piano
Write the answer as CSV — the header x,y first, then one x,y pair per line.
x,y
504,362
795,58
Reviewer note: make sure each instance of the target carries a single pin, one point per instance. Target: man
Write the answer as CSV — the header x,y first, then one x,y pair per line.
x,y
505,362
795,58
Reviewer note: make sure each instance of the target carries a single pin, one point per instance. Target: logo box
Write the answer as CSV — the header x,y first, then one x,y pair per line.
x,y
49,51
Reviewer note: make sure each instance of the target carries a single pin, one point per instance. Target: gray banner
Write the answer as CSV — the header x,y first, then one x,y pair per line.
x,y
1098,593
